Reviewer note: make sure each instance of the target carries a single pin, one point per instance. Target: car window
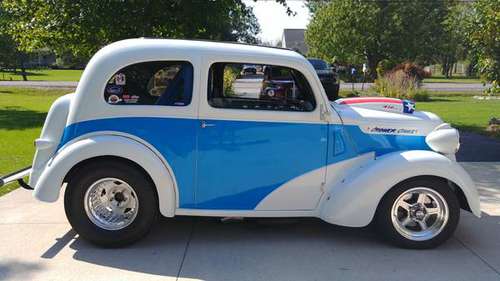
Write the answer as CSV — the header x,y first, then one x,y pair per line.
x,y
260,87
151,83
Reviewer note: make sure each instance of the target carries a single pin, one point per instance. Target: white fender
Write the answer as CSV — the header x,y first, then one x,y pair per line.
x,y
354,200
50,181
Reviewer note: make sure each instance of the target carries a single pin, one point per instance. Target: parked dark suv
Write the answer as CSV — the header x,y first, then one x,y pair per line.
x,y
328,77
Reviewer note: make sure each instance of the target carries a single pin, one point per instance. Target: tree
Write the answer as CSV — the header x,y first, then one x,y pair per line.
x,y
83,26
483,34
356,31
314,5
10,56
453,44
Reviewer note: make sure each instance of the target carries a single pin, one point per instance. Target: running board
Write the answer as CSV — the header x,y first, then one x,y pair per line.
x,y
17,176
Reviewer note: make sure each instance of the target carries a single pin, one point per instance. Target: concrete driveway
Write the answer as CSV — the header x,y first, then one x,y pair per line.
x,y
36,243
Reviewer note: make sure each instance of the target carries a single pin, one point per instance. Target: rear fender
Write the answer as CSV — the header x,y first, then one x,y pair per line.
x,y
354,200
50,181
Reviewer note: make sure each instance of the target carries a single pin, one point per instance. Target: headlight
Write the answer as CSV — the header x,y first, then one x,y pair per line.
x,y
444,139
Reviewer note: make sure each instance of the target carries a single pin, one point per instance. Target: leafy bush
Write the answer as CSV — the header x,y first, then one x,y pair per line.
x,y
353,94
230,76
383,66
420,95
494,90
411,70
398,84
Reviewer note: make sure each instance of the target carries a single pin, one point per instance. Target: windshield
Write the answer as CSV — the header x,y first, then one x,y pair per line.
x,y
319,64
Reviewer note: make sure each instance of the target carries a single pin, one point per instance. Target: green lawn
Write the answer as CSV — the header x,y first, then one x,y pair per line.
x,y
44,75
23,110
463,112
455,79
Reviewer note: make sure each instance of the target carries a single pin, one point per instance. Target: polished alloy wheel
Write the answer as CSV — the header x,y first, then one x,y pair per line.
x,y
111,204
419,214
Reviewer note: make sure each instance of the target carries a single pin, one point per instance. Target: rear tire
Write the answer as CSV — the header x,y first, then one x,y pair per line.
x,y
421,213
111,203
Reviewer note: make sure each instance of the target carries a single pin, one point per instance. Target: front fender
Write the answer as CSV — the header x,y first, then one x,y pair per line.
x,y
354,200
50,181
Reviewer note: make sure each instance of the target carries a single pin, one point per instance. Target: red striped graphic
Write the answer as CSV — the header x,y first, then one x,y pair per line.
x,y
369,100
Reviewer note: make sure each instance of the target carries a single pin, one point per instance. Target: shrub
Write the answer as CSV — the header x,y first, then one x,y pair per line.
x,y
383,66
493,90
420,95
353,94
402,82
411,70
230,76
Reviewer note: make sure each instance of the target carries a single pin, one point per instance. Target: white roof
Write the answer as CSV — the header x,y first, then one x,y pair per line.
x,y
88,102
207,47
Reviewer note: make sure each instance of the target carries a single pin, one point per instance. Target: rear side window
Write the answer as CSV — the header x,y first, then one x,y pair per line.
x,y
167,83
259,87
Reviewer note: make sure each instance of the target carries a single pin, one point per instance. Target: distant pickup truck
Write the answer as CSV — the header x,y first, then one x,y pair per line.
x,y
172,127
328,77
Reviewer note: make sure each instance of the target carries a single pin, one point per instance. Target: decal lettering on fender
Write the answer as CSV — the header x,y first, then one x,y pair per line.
x,y
389,130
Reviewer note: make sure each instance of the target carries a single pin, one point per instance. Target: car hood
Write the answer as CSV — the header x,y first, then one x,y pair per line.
x,y
377,117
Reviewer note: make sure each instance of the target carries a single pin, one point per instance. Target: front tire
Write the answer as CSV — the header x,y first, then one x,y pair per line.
x,y
421,213
110,203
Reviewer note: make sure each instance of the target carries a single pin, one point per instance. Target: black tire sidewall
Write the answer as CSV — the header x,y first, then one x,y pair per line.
x,y
75,206
384,222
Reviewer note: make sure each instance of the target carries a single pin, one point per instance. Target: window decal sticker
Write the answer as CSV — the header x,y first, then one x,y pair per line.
x,y
114,99
114,90
120,79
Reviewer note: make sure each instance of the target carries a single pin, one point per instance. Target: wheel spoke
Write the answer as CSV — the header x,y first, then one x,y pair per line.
x,y
422,224
432,211
405,205
421,198
406,221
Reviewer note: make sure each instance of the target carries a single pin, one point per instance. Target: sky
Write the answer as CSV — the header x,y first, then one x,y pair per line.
x,y
273,19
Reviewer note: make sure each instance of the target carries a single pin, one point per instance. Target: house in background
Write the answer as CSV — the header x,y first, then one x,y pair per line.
x,y
294,39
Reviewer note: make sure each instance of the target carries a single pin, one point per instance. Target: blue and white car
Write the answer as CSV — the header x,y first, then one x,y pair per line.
x,y
171,127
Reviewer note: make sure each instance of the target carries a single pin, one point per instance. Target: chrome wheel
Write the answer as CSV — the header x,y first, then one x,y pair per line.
x,y
419,214
111,204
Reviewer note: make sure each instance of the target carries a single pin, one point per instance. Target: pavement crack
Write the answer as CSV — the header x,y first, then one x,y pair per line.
x,y
190,237
478,256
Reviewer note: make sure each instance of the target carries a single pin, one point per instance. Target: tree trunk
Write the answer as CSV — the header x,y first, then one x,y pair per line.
x,y
373,61
470,69
23,72
446,65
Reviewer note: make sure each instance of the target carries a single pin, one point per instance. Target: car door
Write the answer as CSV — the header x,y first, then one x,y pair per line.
x,y
261,142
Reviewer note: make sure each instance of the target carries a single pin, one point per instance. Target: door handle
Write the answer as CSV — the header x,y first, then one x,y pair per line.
x,y
204,124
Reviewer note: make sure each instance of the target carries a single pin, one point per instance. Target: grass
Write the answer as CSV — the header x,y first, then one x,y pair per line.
x,y
454,79
22,113
457,108
464,112
44,75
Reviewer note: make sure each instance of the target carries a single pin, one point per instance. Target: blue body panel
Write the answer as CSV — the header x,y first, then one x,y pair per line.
x,y
240,162
382,143
174,138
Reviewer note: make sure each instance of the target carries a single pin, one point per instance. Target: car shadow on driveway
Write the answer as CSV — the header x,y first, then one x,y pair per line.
x,y
302,249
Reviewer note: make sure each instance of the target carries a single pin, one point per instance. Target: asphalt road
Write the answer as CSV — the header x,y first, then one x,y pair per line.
x,y
449,87
444,87
478,148
37,243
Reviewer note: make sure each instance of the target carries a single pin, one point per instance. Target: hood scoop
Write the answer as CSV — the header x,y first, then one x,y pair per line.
x,y
380,104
